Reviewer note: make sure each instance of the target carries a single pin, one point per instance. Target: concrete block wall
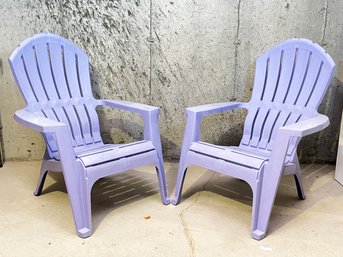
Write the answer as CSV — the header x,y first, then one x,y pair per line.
x,y
173,54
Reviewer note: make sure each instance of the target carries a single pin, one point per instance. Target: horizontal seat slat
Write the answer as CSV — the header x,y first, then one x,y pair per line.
x,y
113,152
230,154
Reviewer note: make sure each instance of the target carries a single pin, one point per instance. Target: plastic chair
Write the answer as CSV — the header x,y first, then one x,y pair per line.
x,y
290,82
53,76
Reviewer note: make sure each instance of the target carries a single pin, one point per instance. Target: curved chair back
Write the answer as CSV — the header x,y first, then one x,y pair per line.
x,y
53,76
291,80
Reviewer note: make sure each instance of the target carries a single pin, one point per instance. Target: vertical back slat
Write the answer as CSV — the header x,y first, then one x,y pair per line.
x,y
74,123
83,74
300,73
18,70
268,128
70,68
287,73
94,122
274,70
258,127
314,71
261,75
30,66
281,121
317,95
85,123
249,125
44,65
57,68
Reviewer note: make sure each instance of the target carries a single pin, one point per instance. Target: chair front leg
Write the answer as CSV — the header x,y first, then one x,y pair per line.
x,y
152,133
77,185
192,134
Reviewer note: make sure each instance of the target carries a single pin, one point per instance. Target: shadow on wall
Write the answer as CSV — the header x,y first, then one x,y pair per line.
x,y
118,127
326,140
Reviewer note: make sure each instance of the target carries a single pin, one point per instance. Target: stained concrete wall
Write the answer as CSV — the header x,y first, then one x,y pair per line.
x,y
173,54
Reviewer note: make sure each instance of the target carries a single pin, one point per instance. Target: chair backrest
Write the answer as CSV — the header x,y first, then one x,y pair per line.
x,y
53,76
291,80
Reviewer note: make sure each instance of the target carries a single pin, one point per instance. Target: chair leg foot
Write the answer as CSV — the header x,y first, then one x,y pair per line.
x,y
175,200
258,234
84,232
166,201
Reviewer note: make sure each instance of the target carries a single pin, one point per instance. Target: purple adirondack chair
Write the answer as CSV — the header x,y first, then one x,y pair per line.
x,y
53,76
290,82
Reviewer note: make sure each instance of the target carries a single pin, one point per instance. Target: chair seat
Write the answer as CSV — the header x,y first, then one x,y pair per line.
x,y
235,155
110,152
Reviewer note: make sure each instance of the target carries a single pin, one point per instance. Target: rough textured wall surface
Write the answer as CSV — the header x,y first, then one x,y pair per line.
x,y
115,34
192,63
173,54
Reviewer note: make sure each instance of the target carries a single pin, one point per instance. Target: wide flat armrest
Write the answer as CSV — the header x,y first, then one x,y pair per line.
x,y
285,134
207,109
36,121
149,114
129,106
306,127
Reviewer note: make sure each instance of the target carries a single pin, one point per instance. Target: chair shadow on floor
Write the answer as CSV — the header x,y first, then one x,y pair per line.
x,y
112,192
287,205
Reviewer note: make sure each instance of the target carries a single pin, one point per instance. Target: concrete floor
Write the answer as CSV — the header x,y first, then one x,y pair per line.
x,y
129,220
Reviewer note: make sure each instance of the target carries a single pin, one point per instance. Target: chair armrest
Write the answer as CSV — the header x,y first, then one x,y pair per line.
x,y
208,109
195,115
60,130
141,109
37,122
149,114
306,127
286,133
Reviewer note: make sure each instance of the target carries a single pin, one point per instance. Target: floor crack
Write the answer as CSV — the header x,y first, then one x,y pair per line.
x,y
185,227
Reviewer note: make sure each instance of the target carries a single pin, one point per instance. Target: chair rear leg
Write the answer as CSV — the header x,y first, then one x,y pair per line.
x,y
41,179
298,181
299,185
